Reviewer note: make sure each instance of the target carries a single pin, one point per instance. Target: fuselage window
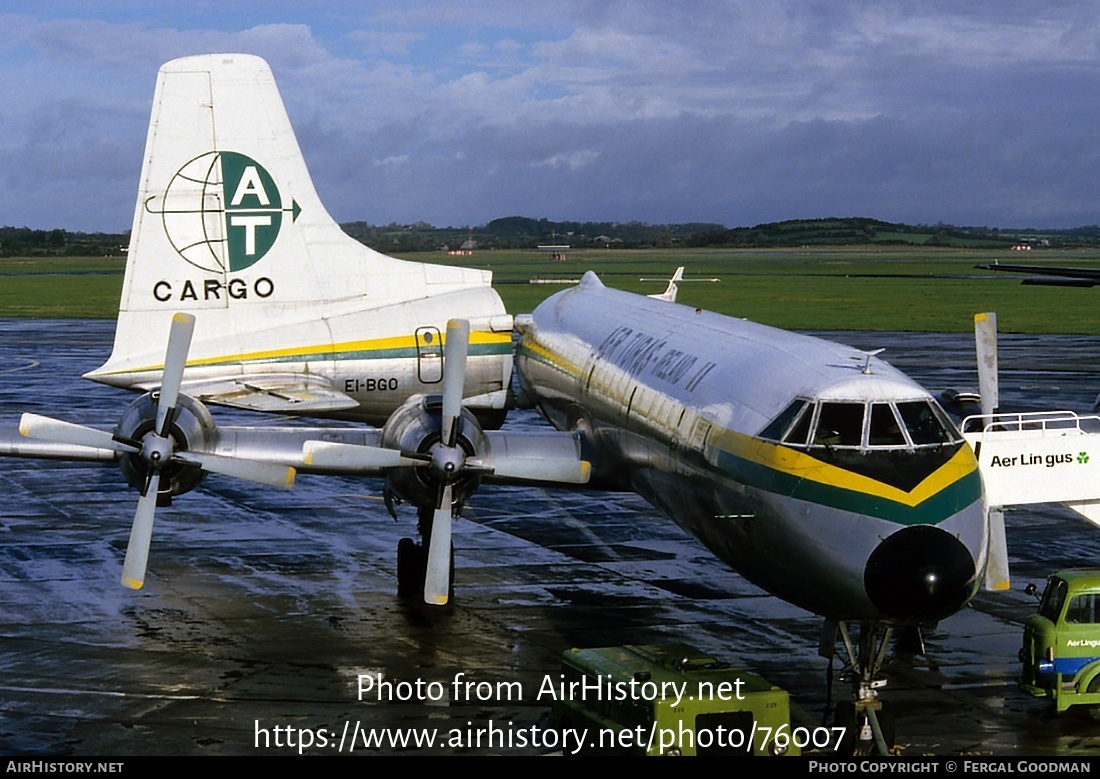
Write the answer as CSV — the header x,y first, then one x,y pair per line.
x,y
885,430
923,424
839,424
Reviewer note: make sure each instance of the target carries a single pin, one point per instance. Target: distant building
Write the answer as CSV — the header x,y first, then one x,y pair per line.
x,y
556,251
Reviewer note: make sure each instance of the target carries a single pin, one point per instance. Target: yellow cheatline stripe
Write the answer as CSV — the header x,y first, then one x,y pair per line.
x,y
802,465
409,341
552,357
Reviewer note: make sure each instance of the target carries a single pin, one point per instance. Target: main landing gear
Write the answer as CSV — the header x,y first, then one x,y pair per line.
x,y
868,721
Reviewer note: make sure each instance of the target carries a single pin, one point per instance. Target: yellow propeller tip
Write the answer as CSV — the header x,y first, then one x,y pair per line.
x,y
133,584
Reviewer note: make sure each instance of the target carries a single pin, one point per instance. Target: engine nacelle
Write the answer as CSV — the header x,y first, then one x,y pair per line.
x,y
193,429
417,427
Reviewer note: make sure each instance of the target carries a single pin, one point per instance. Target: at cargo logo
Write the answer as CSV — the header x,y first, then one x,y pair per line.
x,y
222,212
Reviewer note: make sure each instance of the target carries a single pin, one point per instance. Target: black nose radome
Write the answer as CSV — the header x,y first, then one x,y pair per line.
x,y
920,573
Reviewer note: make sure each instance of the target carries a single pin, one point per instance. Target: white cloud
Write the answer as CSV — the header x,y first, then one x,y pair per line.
x,y
725,111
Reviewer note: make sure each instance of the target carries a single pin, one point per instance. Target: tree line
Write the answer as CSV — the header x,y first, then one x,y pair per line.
x,y
518,232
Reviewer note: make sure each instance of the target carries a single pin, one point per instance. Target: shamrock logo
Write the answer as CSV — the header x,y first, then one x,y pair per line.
x,y
1083,457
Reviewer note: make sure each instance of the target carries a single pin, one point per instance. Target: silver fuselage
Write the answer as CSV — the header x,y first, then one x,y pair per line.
x,y
687,409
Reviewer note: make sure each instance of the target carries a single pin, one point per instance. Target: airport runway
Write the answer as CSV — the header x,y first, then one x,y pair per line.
x,y
262,607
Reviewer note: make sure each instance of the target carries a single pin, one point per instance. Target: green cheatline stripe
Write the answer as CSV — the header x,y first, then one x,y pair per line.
x,y
949,501
403,352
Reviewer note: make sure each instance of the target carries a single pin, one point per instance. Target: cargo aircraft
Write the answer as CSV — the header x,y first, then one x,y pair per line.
x,y
820,472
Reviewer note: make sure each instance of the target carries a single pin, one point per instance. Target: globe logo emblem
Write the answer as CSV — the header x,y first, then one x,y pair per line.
x,y
222,212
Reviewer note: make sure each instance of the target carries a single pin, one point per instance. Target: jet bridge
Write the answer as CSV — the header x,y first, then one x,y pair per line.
x,y
1039,457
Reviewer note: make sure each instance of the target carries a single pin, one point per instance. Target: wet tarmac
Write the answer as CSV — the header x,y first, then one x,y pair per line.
x,y
262,608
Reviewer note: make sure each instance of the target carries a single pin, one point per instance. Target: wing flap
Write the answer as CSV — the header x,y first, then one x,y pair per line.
x,y
278,394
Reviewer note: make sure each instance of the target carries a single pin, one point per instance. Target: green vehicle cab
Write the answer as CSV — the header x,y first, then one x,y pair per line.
x,y
1061,651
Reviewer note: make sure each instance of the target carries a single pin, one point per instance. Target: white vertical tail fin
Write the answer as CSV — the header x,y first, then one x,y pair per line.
x,y
229,226
673,286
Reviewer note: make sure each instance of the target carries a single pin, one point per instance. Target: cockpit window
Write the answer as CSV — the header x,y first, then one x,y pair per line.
x,y
877,425
923,424
800,433
885,430
839,424
778,426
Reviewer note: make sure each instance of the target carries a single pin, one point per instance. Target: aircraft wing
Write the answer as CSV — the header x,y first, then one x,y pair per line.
x,y
507,457
272,393
1051,275
530,456
280,445
283,445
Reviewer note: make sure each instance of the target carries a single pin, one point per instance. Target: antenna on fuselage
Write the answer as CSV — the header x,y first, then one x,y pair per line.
x,y
867,359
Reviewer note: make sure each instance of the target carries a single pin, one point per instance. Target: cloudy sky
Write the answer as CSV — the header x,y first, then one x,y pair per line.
x,y
457,113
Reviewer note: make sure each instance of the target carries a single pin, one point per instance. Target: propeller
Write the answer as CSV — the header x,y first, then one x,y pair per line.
x,y
156,449
985,343
447,461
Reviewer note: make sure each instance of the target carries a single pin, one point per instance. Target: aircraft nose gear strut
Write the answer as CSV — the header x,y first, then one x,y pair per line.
x,y
868,721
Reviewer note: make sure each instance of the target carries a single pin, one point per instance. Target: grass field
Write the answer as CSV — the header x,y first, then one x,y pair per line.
x,y
830,288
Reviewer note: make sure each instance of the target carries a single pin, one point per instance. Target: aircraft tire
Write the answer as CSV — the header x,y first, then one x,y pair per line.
x,y
412,567
844,716
412,562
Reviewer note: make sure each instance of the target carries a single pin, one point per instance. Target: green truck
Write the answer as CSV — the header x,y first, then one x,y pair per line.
x,y
671,700
1061,651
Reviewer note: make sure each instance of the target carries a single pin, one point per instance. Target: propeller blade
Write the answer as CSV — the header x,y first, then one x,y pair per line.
x,y
539,469
50,429
985,341
351,457
175,360
454,376
996,570
137,551
437,579
250,470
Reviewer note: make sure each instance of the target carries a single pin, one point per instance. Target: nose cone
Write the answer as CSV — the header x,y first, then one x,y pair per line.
x,y
920,573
